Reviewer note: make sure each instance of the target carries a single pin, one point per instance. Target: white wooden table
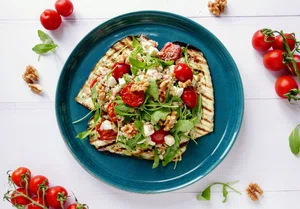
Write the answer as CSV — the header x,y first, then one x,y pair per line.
x,y
30,135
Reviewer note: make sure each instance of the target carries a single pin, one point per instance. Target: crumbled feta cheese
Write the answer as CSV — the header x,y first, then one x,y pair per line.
x,y
107,125
169,140
149,141
171,68
140,77
148,129
154,74
151,72
178,91
122,82
111,81
152,51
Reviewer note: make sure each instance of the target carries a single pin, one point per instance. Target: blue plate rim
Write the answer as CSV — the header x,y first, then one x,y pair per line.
x,y
238,125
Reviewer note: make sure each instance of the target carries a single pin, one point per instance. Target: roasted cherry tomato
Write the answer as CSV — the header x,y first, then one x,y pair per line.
x,y
119,69
108,135
133,99
16,199
259,43
37,183
189,97
170,51
297,59
50,19
183,72
111,111
76,206
56,196
19,175
159,136
64,7
93,83
273,60
284,84
278,43
39,201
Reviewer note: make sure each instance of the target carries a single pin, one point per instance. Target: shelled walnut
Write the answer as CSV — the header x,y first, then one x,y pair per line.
x,y
217,7
253,191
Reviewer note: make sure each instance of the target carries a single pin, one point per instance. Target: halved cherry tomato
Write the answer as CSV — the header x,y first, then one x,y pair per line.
x,y
56,196
189,97
76,206
159,136
297,59
111,111
183,72
16,199
170,51
64,7
273,60
39,200
37,183
50,19
93,83
133,99
259,43
119,69
278,43
19,175
108,135
284,84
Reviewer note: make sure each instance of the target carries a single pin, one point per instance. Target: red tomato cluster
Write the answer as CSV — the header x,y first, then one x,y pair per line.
x,y
274,60
51,19
35,193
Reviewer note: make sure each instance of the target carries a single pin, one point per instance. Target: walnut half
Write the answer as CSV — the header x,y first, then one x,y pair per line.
x,y
217,7
35,88
253,191
31,75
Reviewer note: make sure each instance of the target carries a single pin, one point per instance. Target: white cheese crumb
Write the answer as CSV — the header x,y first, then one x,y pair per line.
x,y
107,125
111,81
178,91
122,82
148,129
149,141
152,51
171,68
169,140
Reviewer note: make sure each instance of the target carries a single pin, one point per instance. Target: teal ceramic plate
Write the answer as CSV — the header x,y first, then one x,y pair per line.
x,y
133,174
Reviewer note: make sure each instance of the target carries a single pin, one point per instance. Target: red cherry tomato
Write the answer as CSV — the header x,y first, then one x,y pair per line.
x,y
183,72
273,60
111,111
108,135
93,83
64,7
37,183
56,196
278,43
189,97
119,69
50,19
16,199
284,84
76,206
159,136
133,99
259,43
39,201
18,176
297,59
170,51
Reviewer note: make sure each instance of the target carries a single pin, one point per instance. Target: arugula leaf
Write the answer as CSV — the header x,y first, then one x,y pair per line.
x,y
156,159
172,151
97,114
84,134
153,90
183,125
160,114
45,38
135,42
186,56
134,70
205,195
197,111
43,48
138,125
84,117
136,63
133,142
294,141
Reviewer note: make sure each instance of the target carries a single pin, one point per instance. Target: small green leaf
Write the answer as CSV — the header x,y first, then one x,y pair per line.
x,y
43,48
134,70
97,114
225,193
138,125
160,114
45,38
156,159
197,111
84,117
294,141
136,63
183,125
205,195
153,90
84,134
133,142
172,151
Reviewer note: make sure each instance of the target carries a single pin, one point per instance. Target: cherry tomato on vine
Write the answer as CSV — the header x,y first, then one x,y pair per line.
x,y
159,136
273,60
106,134
170,51
64,7
50,19
18,176
259,43
133,99
278,43
297,59
189,97
37,183
119,69
284,84
183,72
111,111
76,206
56,196
39,200
16,199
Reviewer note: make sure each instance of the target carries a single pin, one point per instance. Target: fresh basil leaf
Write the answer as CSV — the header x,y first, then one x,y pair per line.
x,y
205,195
45,38
136,63
225,193
183,125
294,141
43,48
156,159
84,134
172,151
160,114
138,125
153,90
